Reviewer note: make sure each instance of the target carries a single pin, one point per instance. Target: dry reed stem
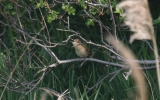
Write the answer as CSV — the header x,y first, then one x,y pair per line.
x,y
138,18
136,72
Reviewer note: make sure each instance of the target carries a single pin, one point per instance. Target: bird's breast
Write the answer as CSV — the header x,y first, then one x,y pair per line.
x,y
81,51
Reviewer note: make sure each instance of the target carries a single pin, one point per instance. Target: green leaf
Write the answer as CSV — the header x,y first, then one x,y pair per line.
x,y
52,16
65,7
9,6
69,9
90,22
38,5
82,4
119,11
157,21
13,13
93,11
41,4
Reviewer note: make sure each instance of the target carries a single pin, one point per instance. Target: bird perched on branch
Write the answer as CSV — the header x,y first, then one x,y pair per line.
x,y
81,49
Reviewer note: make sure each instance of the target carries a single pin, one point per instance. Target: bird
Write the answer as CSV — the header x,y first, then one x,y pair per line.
x,y
81,49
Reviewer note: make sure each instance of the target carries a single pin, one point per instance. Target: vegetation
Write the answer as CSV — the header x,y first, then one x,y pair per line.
x,y
38,62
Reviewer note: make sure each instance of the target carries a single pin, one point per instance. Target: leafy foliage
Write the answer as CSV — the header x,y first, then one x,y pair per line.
x,y
52,16
68,9
90,22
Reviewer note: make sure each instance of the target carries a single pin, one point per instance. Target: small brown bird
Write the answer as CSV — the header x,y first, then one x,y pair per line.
x,y
81,49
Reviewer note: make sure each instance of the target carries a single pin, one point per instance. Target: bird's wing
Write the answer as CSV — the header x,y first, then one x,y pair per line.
x,y
88,51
